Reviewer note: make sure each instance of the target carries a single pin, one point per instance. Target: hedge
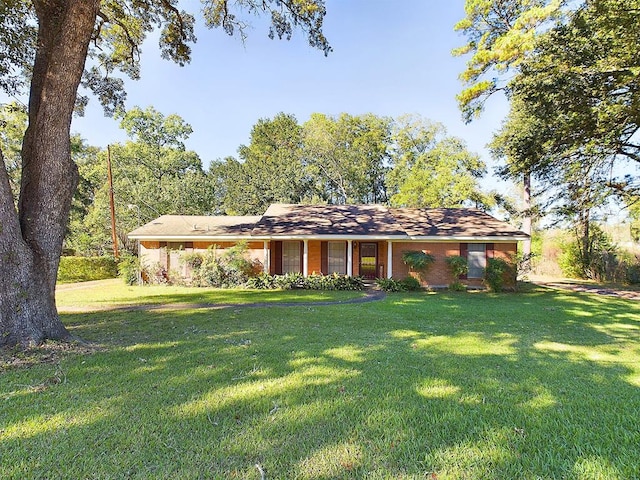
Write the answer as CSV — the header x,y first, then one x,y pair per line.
x,y
83,269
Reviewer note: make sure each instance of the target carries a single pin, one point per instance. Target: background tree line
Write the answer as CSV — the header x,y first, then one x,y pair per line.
x,y
408,161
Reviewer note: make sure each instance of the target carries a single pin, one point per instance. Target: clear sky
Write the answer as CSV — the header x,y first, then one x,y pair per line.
x,y
390,57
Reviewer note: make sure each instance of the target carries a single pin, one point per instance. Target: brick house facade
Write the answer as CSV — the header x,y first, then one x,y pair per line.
x,y
365,240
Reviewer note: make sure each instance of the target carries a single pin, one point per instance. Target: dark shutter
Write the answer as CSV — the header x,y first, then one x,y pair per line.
x,y
276,258
464,250
301,250
490,250
324,258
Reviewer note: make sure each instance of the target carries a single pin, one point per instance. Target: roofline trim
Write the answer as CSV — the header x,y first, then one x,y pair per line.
x,y
433,238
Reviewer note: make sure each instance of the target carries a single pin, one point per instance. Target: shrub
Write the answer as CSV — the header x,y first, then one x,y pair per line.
x,y
458,266
417,259
229,269
457,286
262,281
129,269
390,285
632,274
411,284
289,281
83,269
494,275
598,262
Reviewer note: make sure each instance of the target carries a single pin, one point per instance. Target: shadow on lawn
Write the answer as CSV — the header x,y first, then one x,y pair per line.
x,y
463,386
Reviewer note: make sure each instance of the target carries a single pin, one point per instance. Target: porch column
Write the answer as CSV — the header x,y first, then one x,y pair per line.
x,y
265,251
349,258
305,258
389,258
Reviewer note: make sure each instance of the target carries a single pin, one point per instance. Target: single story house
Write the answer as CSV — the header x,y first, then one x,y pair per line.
x,y
365,240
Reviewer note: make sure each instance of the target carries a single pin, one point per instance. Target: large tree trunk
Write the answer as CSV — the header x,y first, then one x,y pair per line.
x,y
31,239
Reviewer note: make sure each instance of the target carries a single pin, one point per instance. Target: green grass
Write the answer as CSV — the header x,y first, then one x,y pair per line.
x,y
537,385
114,293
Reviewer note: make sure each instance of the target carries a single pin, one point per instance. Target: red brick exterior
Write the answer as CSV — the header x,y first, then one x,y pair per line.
x,y
436,275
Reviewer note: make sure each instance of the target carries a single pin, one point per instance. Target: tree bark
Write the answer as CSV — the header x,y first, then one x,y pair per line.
x,y
31,238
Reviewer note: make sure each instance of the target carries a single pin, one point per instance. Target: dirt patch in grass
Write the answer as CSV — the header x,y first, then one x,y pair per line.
x,y
50,352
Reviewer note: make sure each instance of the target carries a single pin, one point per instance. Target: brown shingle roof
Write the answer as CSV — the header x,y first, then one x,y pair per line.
x,y
303,220
196,226
283,220
452,222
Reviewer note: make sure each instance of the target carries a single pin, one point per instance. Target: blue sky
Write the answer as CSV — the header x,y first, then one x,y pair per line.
x,y
390,57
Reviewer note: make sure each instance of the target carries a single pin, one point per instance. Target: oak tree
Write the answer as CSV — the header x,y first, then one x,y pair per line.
x,y
60,44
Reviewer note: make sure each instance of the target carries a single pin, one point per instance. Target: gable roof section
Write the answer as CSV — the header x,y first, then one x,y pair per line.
x,y
327,220
187,226
335,221
453,223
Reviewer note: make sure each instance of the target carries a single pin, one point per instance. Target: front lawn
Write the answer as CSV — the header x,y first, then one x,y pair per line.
x,y
534,385
115,293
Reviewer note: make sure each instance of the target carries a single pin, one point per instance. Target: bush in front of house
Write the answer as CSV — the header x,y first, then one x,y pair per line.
x,y
84,269
408,284
223,270
417,260
290,281
129,269
411,284
458,266
495,272
389,285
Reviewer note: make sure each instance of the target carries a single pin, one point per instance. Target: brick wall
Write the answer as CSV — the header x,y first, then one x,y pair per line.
x,y
438,274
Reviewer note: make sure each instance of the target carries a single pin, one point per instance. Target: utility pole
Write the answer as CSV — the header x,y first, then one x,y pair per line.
x,y
526,221
114,237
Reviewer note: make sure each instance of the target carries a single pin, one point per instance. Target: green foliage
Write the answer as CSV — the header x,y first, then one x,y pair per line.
x,y
417,259
346,157
153,174
290,281
411,284
632,274
574,111
431,169
227,270
408,284
129,269
457,286
457,265
595,259
83,269
495,273
500,34
390,285
270,170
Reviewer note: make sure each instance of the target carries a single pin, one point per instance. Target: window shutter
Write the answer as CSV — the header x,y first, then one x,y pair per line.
x,y
324,258
490,251
276,257
464,250
301,250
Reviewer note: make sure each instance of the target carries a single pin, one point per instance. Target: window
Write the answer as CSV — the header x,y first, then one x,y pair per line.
x,y
337,261
476,260
291,257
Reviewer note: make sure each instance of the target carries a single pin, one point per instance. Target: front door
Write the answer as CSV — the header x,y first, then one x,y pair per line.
x,y
368,260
